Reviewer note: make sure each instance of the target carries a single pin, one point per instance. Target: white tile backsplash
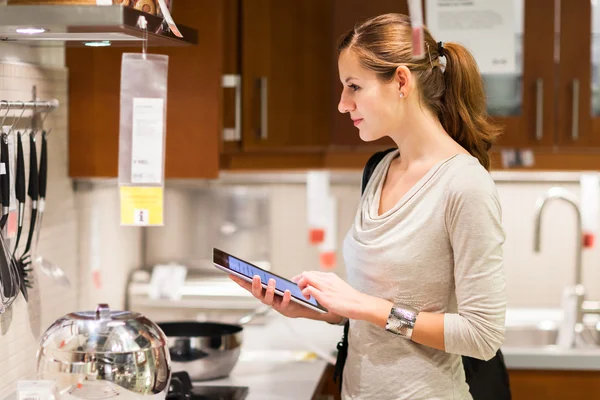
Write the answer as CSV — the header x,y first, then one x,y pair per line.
x,y
24,323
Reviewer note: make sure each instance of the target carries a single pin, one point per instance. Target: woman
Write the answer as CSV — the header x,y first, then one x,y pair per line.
x,y
424,256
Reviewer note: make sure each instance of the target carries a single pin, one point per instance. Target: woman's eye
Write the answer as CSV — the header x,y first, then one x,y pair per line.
x,y
353,87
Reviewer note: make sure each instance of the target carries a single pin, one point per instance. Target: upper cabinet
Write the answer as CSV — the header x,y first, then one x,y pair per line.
x,y
284,67
523,102
552,101
578,88
260,89
258,80
194,112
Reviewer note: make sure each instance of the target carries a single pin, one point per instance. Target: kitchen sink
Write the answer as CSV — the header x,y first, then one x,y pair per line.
x,y
530,336
545,335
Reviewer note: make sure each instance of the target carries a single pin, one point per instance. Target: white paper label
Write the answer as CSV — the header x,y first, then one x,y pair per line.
x,y
166,281
104,2
590,201
486,27
317,191
36,390
147,140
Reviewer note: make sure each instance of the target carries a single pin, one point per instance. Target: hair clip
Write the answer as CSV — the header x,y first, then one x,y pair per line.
x,y
441,49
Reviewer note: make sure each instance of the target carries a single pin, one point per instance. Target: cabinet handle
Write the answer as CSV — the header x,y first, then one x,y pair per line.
x,y
575,121
263,130
539,109
234,81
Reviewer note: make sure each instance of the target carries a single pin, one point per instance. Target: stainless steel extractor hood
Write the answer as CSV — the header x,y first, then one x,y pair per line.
x,y
78,25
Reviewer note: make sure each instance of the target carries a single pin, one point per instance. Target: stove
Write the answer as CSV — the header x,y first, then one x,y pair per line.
x,y
181,388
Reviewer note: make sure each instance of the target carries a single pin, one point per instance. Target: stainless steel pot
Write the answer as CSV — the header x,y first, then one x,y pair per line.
x,y
104,354
206,350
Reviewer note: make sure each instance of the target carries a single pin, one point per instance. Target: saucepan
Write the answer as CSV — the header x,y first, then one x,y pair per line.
x,y
206,350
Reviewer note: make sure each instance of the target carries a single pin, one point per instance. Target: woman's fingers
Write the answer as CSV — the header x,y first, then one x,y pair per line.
x,y
257,287
270,293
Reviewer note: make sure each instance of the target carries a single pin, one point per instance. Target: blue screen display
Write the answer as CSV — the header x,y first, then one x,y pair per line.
x,y
281,284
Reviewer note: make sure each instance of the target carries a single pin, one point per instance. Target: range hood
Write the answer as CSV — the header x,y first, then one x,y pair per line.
x,y
78,25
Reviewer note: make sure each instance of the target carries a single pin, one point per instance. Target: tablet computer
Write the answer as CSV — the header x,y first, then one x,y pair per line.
x,y
243,269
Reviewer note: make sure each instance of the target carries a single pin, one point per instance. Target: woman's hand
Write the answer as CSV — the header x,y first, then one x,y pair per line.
x,y
334,294
282,305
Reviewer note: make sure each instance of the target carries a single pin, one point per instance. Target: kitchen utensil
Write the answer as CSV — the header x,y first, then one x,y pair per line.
x,y
33,193
19,191
46,266
8,271
206,350
105,354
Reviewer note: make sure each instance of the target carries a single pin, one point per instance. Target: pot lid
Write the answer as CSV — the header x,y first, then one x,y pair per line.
x,y
103,331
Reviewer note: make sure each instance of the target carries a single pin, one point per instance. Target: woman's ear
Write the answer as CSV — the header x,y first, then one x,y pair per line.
x,y
403,78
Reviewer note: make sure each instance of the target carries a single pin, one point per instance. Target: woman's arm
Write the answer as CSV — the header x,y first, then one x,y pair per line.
x,y
473,220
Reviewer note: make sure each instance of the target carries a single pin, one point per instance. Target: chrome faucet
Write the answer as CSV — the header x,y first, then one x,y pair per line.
x,y
558,193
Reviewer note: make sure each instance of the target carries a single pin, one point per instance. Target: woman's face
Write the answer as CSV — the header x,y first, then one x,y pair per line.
x,y
374,106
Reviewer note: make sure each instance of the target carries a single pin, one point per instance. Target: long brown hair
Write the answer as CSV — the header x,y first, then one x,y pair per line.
x,y
455,93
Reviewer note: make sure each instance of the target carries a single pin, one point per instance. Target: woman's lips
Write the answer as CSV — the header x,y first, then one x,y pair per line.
x,y
357,121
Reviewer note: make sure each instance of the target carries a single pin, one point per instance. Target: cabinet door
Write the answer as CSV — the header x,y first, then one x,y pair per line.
x,y
523,102
286,72
194,112
579,82
346,14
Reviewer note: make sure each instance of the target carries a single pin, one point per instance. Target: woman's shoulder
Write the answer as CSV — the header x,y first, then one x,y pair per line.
x,y
466,177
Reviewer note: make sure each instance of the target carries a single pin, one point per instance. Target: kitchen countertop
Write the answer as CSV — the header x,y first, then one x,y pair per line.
x,y
279,358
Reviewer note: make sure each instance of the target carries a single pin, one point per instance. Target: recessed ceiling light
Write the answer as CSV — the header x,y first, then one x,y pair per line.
x,y
30,31
103,43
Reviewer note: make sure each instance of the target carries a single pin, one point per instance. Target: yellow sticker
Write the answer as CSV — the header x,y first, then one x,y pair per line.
x,y
141,206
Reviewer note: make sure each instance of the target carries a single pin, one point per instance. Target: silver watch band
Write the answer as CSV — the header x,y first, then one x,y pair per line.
x,y
401,320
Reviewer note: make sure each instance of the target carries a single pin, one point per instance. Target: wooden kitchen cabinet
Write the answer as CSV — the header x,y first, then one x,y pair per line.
x,y
524,385
554,385
285,68
194,112
579,78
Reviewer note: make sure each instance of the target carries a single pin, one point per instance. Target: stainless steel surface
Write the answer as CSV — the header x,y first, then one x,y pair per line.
x,y
575,111
529,336
104,353
591,307
204,350
207,350
29,105
537,337
264,108
558,193
235,82
539,109
77,24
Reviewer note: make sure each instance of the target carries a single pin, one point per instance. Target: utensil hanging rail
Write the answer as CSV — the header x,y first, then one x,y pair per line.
x,y
38,106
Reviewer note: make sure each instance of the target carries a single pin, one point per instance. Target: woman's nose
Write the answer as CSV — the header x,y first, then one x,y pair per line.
x,y
345,105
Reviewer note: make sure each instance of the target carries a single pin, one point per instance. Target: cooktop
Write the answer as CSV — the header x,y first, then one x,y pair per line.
x,y
181,389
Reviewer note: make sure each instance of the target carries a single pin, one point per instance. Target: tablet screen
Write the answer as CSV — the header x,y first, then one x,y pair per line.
x,y
242,267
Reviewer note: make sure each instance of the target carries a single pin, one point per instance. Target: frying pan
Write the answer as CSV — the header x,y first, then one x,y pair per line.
x,y
206,350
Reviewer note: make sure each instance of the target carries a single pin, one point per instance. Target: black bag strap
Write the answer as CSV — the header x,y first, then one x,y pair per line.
x,y
371,165
342,345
